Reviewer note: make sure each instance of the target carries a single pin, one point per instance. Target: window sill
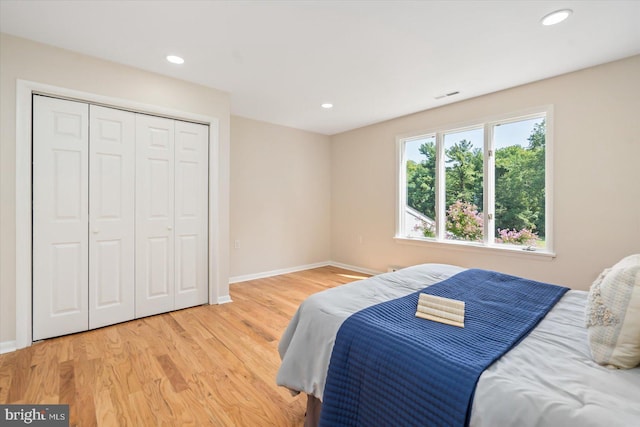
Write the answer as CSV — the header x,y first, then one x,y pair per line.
x,y
471,247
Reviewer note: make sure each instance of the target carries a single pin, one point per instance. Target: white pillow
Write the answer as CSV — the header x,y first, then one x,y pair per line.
x,y
613,315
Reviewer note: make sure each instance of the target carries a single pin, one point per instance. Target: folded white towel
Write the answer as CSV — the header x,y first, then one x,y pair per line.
x,y
443,308
439,309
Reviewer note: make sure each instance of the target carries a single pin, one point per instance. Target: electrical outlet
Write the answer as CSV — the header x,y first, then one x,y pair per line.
x,y
236,244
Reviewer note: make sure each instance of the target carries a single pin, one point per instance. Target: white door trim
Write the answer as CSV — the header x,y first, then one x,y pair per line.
x,y
24,91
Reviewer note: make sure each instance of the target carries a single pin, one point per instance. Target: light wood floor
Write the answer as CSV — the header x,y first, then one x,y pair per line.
x,y
208,365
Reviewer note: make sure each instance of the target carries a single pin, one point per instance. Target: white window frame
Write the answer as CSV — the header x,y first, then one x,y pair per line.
x,y
488,244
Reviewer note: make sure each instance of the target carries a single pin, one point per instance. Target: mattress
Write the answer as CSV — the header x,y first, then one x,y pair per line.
x,y
548,379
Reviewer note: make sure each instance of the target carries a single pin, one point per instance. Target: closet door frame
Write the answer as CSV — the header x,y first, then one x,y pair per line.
x,y
218,204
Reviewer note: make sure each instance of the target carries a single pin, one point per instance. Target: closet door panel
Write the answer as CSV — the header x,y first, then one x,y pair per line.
x,y
154,215
60,206
191,214
111,216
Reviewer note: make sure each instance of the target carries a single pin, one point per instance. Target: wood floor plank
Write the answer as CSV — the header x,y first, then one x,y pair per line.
x,y
105,412
173,374
203,366
141,413
126,376
67,389
7,372
85,410
20,381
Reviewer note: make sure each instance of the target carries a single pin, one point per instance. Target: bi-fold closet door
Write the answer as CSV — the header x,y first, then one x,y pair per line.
x,y
60,217
171,214
111,216
119,216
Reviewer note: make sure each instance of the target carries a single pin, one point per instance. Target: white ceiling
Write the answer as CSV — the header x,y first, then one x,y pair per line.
x,y
374,60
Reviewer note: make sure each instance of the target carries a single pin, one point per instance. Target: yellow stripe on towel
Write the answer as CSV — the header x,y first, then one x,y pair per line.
x,y
439,309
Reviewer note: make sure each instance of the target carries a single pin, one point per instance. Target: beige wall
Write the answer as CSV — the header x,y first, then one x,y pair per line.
x,y
596,185
26,60
280,197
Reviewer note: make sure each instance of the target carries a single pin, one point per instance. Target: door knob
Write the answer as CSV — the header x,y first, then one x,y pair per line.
x,y
96,231
169,227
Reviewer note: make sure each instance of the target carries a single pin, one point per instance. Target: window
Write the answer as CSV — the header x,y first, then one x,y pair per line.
x,y
481,185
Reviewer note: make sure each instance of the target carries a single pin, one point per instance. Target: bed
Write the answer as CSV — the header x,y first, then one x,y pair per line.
x,y
547,379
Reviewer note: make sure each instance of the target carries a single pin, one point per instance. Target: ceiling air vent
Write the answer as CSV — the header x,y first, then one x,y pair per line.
x,y
447,94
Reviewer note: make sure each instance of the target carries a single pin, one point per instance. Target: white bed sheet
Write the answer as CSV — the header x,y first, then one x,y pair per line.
x,y
549,379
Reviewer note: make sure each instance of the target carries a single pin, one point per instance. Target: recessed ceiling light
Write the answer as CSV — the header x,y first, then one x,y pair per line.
x,y
175,59
327,105
556,17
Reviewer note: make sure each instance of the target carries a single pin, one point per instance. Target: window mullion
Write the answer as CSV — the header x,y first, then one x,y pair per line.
x,y
440,187
402,190
489,185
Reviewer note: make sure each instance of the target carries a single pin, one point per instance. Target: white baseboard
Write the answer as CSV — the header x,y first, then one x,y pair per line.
x,y
247,277
7,346
224,299
354,268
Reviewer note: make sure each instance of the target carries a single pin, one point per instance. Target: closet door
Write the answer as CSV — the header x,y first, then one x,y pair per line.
x,y
191,208
111,216
154,215
60,211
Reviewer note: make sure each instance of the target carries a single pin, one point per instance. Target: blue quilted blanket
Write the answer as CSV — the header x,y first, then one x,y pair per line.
x,y
389,368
